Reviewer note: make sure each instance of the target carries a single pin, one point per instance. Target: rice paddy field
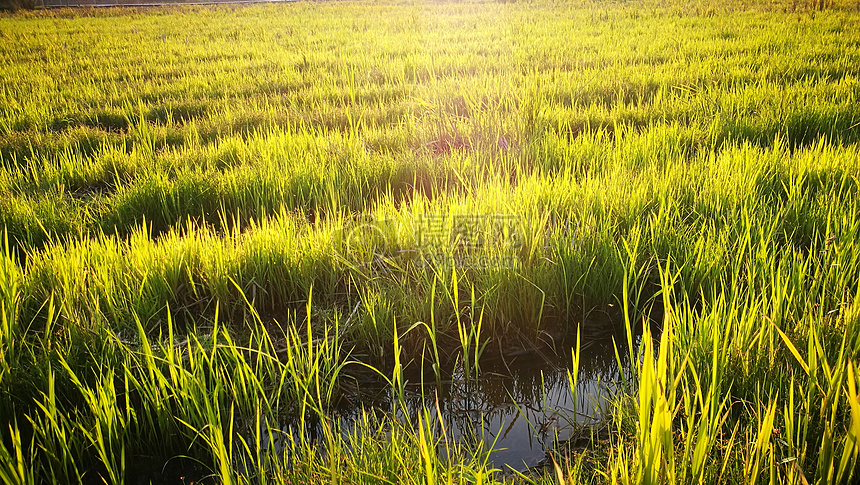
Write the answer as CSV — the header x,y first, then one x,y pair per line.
x,y
418,242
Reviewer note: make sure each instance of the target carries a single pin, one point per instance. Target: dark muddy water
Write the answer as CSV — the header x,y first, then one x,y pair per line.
x,y
520,407
523,406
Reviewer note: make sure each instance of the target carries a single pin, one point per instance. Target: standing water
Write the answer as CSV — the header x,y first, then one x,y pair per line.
x,y
520,408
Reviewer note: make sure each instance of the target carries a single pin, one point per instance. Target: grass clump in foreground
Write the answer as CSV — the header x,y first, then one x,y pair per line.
x,y
218,220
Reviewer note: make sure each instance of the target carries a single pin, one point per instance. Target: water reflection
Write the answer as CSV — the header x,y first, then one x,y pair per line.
x,y
521,407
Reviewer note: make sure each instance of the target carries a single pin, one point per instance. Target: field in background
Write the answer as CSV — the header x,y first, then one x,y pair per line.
x,y
222,219
59,4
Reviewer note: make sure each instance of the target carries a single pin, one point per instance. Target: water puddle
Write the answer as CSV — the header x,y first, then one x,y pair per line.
x,y
521,407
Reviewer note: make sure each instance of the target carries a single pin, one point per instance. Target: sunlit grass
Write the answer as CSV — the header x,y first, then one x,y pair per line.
x,y
217,220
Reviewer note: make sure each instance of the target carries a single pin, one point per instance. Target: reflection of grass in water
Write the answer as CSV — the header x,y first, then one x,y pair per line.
x,y
486,407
